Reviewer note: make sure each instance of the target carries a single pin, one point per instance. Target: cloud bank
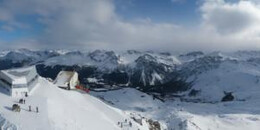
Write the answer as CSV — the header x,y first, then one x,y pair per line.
x,y
94,24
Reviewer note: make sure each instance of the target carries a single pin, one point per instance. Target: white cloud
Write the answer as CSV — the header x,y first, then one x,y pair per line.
x,y
229,18
92,24
238,23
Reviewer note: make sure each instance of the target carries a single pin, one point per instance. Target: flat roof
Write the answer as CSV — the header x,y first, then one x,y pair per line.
x,y
18,76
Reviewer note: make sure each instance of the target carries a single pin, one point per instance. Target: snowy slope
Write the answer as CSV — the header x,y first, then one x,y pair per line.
x,y
129,99
177,115
240,78
3,53
62,110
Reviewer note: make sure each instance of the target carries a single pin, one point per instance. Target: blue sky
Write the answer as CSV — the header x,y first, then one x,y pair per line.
x,y
182,12
31,29
130,24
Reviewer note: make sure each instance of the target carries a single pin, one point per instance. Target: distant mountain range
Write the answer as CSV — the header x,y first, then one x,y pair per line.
x,y
164,73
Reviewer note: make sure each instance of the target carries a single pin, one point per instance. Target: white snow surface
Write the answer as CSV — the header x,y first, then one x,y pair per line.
x,y
3,53
242,79
177,115
62,110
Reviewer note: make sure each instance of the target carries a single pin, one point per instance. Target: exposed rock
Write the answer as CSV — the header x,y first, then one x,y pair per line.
x,y
228,97
154,125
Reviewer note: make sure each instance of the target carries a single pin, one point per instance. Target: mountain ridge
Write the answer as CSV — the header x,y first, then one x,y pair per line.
x,y
162,73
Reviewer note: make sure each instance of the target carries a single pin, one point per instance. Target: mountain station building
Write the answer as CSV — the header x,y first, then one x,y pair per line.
x,y
18,82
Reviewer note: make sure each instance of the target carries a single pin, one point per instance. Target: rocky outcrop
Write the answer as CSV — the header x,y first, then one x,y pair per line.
x,y
228,97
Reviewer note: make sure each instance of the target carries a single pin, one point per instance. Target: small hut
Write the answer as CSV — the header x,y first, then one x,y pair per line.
x,y
67,79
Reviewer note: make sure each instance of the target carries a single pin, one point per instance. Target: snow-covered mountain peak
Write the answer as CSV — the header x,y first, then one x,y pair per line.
x,y
104,56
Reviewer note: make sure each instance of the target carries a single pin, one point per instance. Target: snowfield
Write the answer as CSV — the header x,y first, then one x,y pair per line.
x,y
62,110
239,78
176,115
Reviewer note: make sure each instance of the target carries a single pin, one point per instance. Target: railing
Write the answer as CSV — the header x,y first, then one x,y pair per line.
x,y
19,86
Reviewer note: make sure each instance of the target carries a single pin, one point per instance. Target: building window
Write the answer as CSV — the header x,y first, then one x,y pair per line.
x,y
19,85
6,82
